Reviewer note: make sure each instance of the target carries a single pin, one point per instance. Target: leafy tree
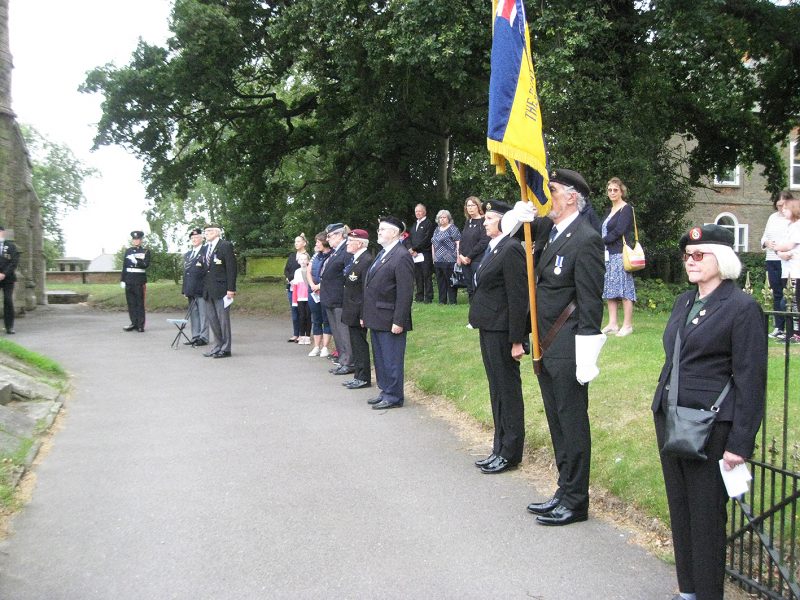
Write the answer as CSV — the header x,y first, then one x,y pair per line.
x,y
57,177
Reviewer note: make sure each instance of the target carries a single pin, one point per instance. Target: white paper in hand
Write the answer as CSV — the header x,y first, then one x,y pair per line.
x,y
226,301
736,480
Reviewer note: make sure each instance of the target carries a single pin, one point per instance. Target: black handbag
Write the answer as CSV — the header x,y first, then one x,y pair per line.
x,y
687,429
457,279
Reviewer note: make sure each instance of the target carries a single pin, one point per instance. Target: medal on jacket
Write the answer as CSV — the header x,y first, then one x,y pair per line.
x,y
559,264
353,276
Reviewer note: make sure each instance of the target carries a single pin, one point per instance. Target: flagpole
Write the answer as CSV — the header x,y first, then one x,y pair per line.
x,y
535,349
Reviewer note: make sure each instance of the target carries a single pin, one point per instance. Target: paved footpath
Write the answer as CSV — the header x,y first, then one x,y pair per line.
x,y
181,477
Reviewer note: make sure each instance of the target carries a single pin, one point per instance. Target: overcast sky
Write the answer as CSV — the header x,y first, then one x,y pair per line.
x,y
53,44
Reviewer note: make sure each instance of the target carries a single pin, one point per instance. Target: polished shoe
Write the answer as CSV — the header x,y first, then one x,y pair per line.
x,y
348,382
374,401
384,404
201,343
561,515
344,371
140,330
10,331
498,465
192,342
485,461
293,339
542,508
358,384
129,328
221,355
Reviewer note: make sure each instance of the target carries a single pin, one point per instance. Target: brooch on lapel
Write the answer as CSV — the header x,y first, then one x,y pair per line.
x,y
353,276
559,264
217,261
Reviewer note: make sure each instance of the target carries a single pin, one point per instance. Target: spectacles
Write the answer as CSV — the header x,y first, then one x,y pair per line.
x,y
696,256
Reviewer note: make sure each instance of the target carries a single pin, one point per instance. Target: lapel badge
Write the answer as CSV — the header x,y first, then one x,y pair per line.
x,y
569,235
695,321
353,276
702,313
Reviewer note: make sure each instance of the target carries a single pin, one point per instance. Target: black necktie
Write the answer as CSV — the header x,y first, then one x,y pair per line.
x,y
377,260
553,234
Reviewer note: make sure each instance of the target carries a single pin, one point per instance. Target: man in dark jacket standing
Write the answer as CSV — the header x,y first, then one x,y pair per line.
x,y
219,288
422,252
331,291
134,280
388,294
193,273
9,259
352,303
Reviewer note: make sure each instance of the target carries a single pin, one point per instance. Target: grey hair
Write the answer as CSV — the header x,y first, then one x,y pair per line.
x,y
581,201
730,267
444,213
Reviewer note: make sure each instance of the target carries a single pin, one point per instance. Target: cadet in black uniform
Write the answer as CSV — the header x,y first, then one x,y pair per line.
x,y
134,280
9,259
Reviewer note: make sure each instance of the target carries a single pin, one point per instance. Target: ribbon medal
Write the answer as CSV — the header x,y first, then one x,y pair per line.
x,y
559,264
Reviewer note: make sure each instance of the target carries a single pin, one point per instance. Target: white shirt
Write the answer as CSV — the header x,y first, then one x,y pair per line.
x,y
776,231
566,223
496,240
794,237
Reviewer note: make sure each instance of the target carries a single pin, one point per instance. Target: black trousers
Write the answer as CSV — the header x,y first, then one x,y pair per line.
x,y
423,280
447,293
8,304
505,394
360,354
698,514
469,275
566,405
134,294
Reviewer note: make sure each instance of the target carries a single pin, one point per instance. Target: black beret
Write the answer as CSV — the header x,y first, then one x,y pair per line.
x,y
334,227
707,234
393,221
497,206
195,231
572,179
137,235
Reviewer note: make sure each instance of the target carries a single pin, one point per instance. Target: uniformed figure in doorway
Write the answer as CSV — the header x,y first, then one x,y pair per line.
x,y
134,280
9,259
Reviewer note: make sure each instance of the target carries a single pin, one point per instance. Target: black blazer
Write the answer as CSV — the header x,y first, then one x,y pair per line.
x,y
220,270
331,282
140,264
193,274
389,291
571,268
9,260
353,294
419,238
500,301
727,338
473,239
620,224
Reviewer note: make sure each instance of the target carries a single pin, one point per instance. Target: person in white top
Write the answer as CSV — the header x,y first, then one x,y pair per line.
x,y
789,250
776,231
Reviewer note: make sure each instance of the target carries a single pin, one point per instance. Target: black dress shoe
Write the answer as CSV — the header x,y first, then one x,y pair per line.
x,y
542,508
190,343
140,329
485,461
374,401
129,328
10,331
357,384
344,371
384,404
348,382
498,465
201,343
221,355
561,515
212,353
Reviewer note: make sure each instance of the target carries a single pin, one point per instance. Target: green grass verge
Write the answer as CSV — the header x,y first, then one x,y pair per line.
x,y
42,363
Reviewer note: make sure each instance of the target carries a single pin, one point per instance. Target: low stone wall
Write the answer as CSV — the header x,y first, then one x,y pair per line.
x,y
76,277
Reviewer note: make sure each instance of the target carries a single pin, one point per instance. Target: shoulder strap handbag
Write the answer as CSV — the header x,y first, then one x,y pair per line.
x,y
633,258
687,429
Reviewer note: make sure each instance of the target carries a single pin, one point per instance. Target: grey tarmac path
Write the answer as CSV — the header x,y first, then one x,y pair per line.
x,y
176,476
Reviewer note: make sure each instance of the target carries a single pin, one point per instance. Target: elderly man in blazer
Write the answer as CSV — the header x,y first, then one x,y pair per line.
x,y
421,249
331,293
352,305
219,286
193,274
569,270
499,310
388,294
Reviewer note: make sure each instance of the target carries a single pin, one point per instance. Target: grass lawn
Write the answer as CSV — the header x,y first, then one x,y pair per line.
x,y
443,358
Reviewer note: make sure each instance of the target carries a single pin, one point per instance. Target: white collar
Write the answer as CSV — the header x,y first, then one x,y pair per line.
x,y
562,226
494,241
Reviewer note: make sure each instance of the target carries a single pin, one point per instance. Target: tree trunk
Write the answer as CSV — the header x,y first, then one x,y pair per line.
x,y
443,180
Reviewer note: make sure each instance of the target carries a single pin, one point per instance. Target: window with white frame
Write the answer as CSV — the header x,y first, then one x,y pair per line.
x,y
741,231
728,178
794,165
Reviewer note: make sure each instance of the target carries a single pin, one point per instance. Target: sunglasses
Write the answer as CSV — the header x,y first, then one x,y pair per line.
x,y
696,256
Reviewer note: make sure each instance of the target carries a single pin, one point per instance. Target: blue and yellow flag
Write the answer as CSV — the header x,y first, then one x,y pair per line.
x,y
515,121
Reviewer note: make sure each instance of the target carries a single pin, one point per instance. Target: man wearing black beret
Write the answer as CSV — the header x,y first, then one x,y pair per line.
x,y
134,280
193,274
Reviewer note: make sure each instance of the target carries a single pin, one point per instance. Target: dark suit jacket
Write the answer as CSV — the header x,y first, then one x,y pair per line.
x,y
571,268
353,296
331,282
728,339
9,260
193,274
220,270
135,263
500,301
389,291
420,238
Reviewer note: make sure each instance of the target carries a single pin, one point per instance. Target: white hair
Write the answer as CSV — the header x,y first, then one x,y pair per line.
x,y
730,267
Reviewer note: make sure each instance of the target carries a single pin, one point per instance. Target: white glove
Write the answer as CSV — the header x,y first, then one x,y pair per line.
x,y
132,258
524,212
122,284
587,350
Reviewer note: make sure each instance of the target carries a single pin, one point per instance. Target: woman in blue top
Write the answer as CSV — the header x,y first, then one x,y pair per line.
x,y
320,328
445,243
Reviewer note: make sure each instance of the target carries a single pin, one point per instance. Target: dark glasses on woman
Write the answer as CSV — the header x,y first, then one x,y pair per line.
x,y
696,256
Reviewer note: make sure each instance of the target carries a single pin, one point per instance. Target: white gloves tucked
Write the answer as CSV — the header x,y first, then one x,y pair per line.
x,y
587,350
122,284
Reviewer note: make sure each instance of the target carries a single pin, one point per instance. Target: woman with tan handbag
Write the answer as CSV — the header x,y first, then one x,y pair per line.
x,y
618,286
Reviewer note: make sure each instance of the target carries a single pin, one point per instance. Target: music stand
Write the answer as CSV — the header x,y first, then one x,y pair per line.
x,y
181,325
